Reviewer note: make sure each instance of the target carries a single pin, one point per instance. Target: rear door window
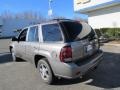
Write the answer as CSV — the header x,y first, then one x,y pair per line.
x,y
33,34
51,32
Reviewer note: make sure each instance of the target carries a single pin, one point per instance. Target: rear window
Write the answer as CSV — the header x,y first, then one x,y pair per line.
x,y
51,32
72,29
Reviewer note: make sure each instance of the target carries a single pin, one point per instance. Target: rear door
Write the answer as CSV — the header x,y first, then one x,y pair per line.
x,y
32,43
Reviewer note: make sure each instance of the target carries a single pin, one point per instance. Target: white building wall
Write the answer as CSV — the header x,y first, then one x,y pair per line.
x,y
107,10
111,20
101,13
85,6
106,17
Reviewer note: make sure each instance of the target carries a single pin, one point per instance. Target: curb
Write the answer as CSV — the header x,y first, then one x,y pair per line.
x,y
109,44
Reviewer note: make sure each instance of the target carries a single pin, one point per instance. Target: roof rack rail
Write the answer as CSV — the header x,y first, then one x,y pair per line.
x,y
60,19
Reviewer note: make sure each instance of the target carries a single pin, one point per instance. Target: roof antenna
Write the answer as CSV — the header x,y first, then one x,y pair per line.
x,y
50,11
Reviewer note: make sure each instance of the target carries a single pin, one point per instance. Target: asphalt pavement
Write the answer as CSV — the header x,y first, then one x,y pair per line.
x,y
24,76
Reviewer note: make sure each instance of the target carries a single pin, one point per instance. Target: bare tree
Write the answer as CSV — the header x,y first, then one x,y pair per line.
x,y
30,15
24,15
7,15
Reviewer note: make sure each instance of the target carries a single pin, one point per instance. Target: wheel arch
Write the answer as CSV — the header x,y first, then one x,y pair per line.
x,y
38,57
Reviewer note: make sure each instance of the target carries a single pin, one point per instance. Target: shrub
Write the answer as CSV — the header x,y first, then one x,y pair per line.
x,y
111,32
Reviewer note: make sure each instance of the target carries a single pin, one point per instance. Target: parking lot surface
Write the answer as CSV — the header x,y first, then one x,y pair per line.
x,y
23,75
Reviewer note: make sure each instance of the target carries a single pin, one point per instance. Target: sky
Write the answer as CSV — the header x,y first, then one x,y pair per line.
x,y
60,7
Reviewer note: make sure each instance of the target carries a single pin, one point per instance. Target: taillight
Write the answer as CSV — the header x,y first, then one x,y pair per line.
x,y
66,54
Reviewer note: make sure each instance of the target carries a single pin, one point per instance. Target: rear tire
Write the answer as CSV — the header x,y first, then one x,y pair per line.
x,y
45,71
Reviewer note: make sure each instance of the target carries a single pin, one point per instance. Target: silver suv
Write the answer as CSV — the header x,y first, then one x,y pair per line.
x,y
58,48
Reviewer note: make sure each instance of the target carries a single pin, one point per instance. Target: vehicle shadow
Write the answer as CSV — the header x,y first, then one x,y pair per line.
x,y
5,58
107,75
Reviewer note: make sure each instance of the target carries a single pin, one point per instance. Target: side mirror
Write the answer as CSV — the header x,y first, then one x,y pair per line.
x,y
14,39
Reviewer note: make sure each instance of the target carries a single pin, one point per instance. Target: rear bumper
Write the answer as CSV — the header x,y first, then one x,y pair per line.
x,y
78,69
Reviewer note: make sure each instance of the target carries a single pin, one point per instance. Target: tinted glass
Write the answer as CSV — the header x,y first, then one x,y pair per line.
x,y
33,34
90,36
51,32
22,36
73,29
